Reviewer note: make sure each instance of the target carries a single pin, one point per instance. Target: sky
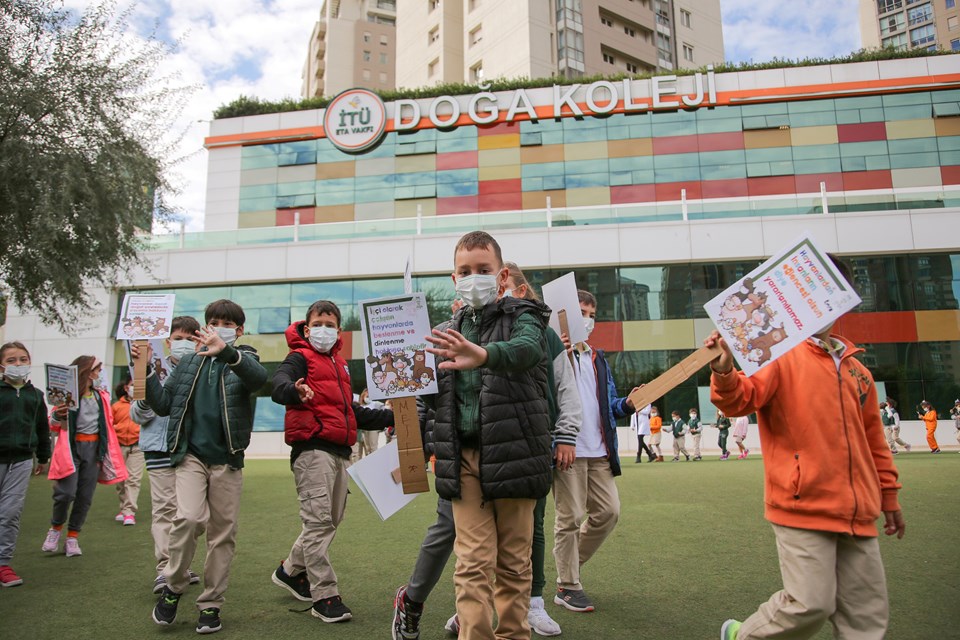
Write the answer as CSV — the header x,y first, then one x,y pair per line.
x,y
257,47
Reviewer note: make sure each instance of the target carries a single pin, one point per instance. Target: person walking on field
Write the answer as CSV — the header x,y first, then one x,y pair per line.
x,y
656,433
740,434
723,425
929,416
955,414
128,434
640,422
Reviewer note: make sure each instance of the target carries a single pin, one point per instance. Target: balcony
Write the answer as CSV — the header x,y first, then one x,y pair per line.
x,y
647,212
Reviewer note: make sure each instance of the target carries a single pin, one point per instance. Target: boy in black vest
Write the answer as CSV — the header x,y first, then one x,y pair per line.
x,y
492,408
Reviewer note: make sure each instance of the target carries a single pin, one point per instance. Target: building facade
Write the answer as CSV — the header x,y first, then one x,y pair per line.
x,y
910,24
469,41
353,44
656,208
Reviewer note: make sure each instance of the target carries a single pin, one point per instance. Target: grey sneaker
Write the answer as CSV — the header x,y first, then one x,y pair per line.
x,y
159,583
575,600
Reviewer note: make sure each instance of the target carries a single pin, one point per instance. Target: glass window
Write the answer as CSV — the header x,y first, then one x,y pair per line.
x,y
922,35
919,14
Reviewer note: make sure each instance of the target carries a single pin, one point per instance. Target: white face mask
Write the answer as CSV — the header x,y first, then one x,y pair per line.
x,y
17,373
323,338
477,290
180,348
588,324
508,293
227,334
693,416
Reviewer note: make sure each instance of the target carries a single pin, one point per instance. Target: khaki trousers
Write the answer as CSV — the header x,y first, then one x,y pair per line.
x,y
585,490
205,496
655,443
321,479
696,444
826,576
493,543
129,490
163,498
679,446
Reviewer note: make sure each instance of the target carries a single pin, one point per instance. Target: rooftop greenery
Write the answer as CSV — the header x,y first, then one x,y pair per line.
x,y
251,106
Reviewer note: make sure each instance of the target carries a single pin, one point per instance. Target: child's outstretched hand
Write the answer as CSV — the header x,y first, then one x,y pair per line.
x,y
894,523
724,362
458,353
209,338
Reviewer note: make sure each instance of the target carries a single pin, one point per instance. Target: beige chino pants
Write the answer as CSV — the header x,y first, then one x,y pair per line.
x,y
129,490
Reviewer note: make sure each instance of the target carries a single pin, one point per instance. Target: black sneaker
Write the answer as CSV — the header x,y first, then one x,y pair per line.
x,y
165,612
331,609
406,616
209,621
298,586
573,599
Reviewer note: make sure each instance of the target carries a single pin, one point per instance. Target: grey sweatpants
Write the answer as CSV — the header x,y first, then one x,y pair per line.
x,y
14,478
434,552
77,488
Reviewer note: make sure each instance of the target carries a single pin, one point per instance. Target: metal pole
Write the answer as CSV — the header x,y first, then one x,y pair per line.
x,y
683,203
823,197
549,213
419,219
296,226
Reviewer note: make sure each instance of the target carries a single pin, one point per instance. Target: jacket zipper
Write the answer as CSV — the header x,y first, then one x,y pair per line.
x,y
176,440
226,414
346,405
846,435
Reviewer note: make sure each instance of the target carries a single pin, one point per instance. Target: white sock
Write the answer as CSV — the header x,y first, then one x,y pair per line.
x,y
536,603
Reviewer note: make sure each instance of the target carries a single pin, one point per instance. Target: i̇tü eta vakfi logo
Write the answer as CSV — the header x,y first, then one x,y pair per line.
x,y
355,120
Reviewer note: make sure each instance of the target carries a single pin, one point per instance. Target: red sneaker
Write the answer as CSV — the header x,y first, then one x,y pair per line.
x,y
9,578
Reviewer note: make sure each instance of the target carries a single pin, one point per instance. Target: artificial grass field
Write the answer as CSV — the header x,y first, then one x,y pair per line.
x,y
691,550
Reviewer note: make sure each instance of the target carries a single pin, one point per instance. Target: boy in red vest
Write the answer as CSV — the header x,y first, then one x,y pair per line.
x,y
320,426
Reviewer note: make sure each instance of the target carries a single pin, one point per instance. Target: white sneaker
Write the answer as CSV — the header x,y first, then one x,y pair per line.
x,y
53,539
118,517
540,621
453,625
72,548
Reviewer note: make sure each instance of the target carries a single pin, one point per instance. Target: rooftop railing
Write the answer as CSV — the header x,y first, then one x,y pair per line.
x,y
674,211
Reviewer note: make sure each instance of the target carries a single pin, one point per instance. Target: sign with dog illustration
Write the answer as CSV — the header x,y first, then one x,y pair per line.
x,y
781,303
396,358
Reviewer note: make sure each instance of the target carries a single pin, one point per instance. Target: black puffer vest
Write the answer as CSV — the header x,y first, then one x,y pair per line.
x,y
515,454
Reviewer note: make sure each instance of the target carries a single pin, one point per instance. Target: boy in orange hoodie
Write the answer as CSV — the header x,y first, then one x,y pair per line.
x,y
823,503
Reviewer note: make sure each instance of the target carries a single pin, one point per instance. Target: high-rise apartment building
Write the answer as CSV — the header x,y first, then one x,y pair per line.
x,y
910,24
469,40
353,44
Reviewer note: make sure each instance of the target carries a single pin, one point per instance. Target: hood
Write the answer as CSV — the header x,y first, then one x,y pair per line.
x,y
296,339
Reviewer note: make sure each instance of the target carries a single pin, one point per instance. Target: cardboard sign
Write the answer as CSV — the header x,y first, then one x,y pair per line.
x,y
62,386
373,476
674,376
138,367
397,362
561,294
781,303
145,316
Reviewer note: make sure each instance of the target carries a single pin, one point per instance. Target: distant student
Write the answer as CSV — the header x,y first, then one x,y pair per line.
x,y
76,461
740,426
156,454
320,425
493,503
209,400
929,416
368,441
822,501
678,428
128,435
656,435
24,435
891,410
955,414
640,423
723,425
696,433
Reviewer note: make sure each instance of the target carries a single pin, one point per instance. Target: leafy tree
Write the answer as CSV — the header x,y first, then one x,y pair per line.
x,y
83,119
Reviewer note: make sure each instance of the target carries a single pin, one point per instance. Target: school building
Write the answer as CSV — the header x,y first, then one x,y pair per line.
x,y
658,193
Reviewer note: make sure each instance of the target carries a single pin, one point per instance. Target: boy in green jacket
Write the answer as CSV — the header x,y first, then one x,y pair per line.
x,y
208,399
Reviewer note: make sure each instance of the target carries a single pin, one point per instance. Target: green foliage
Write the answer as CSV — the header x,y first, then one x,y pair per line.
x,y
83,124
250,106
